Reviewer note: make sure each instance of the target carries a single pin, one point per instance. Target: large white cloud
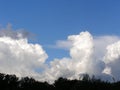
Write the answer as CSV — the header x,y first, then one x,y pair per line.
x,y
88,54
112,59
81,61
19,57
95,55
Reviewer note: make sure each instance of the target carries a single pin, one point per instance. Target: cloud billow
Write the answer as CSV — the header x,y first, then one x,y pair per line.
x,y
19,57
88,54
94,55
82,59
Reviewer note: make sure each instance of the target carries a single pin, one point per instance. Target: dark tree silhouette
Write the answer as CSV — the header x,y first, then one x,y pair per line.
x,y
11,82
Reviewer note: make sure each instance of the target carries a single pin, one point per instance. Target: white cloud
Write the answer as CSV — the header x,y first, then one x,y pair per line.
x,y
82,46
19,57
101,42
81,60
87,56
95,55
112,59
62,44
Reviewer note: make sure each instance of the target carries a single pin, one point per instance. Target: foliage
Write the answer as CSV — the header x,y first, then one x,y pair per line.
x,y
11,82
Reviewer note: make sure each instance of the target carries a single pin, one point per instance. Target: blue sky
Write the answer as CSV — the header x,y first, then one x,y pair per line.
x,y
52,20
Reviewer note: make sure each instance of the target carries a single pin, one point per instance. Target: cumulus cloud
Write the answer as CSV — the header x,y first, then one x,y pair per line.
x,y
88,54
94,55
19,57
101,42
112,59
81,61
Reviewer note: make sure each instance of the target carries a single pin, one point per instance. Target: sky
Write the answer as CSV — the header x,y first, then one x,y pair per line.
x,y
52,22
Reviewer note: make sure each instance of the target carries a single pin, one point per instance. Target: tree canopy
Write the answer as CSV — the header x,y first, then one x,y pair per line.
x,y
11,82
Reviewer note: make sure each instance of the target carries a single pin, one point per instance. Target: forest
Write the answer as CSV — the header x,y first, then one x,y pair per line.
x,y
12,82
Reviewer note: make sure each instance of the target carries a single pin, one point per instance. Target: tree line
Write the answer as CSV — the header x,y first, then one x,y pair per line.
x,y
11,82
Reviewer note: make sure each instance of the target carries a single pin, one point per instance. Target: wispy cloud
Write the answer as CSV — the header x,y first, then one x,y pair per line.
x,y
61,44
15,34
